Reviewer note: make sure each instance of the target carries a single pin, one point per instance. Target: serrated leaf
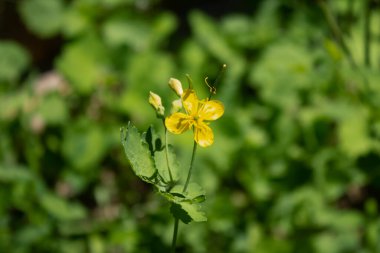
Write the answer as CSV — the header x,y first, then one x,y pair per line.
x,y
188,212
193,194
179,213
138,153
193,210
185,204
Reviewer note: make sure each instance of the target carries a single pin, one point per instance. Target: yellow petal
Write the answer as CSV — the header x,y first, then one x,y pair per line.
x,y
211,110
178,122
190,102
203,135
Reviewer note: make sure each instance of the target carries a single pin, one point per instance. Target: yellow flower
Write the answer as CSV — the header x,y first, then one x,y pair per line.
x,y
198,112
176,105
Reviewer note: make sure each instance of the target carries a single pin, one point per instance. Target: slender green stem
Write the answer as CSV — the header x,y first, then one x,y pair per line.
x,y
336,31
176,222
175,233
167,153
367,33
191,167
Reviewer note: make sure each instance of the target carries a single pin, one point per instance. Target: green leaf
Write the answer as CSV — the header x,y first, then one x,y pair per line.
x,y
87,55
14,174
134,34
353,133
42,17
61,209
179,213
138,34
195,193
193,210
274,70
153,140
207,33
13,60
187,212
138,154
84,145
185,204
162,167
76,22
54,110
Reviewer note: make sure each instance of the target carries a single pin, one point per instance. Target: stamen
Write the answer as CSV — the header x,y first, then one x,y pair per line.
x,y
212,88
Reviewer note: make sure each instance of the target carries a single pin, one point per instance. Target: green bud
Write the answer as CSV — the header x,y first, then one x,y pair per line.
x,y
155,101
176,85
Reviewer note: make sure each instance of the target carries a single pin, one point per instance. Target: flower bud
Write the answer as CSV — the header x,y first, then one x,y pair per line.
x,y
176,85
176,106
155,101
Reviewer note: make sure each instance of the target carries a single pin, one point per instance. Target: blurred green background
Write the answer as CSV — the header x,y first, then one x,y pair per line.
x,y
295,166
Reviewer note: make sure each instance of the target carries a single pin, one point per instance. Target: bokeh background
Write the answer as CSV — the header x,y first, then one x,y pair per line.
x,y
295,166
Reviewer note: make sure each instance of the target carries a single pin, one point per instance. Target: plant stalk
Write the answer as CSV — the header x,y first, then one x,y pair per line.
x,y
176,222
175,233
367,33
191,167
167,153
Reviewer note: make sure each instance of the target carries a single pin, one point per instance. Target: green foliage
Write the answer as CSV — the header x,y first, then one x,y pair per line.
x,y
295,162
13,60
148,161
138,154
87,70
43,17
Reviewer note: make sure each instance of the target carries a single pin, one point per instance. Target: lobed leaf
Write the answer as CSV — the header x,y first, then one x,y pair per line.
x,y
187,212
185,205
138,153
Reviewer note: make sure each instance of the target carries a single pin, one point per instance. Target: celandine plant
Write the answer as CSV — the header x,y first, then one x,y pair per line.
x,y
155,162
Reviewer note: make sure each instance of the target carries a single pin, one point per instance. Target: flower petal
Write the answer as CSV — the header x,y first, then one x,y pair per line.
x,y
190,102
203,135
178,122
211,110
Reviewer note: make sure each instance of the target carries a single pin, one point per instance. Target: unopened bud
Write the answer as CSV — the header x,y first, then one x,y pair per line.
x,y
176,106
176,85
155,101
